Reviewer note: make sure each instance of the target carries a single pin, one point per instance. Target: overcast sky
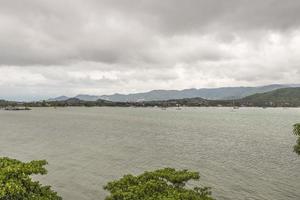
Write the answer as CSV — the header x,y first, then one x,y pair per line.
x,y
68,47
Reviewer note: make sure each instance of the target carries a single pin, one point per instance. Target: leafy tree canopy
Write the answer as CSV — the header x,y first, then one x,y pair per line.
x,y
163,184
296,131
16,184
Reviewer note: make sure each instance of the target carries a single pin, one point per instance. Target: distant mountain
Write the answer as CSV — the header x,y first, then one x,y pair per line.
x,y
279,97
224,93
294,85
85,97
60,98
283,97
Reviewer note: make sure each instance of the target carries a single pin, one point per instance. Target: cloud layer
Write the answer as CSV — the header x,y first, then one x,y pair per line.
x,y
68,47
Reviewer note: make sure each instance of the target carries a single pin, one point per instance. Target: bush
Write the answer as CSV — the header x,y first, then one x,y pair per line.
x,y
163,184
16,184
296,131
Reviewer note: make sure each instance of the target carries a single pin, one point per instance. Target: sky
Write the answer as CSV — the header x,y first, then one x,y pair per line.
x,y
50,48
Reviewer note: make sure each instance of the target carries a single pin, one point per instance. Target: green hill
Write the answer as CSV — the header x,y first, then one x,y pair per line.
x,y
279,97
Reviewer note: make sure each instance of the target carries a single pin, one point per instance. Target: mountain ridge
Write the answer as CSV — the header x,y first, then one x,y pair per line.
x,y
283,97
222,93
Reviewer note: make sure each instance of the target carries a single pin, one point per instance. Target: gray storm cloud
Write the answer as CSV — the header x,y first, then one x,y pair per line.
x,y
106,46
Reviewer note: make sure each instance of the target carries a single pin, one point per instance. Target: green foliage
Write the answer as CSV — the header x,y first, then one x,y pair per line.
x,y
285,97
16,184
296,131
163,184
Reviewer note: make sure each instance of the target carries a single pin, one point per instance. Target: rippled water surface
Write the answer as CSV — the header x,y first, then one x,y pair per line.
x,y
244,154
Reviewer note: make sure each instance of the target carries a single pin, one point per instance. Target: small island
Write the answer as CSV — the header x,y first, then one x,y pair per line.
x,y
16,108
